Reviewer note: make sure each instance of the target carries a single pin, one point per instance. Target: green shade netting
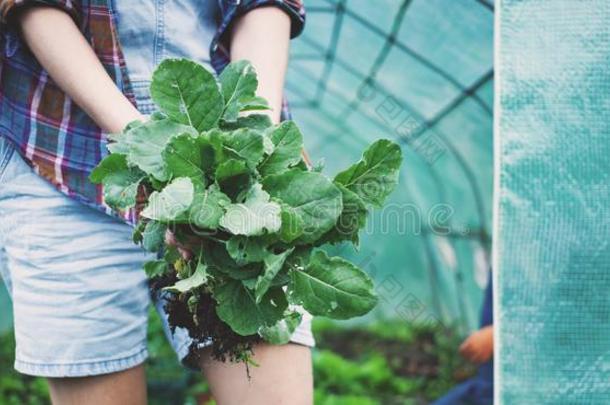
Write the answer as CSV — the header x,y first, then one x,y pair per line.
x,y
553,257
419,72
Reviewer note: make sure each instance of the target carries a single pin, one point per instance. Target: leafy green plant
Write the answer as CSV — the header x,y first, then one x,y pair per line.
x,y
388,361
237,191
15,388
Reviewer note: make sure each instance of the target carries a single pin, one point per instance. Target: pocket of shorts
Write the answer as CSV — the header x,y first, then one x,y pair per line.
x,y
6,152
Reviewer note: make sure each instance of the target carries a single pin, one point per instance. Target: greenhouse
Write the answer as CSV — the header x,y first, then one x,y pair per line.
x,y
402,70
499,110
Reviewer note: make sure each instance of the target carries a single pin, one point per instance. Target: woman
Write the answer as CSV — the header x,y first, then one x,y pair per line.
x,y
70,73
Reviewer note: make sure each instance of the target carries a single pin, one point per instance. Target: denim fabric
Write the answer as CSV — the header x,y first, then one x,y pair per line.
x,y
80,296
153,30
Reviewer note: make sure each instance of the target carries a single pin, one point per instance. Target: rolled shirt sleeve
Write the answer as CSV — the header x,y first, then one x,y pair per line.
x,y
230,10
8,8
294,9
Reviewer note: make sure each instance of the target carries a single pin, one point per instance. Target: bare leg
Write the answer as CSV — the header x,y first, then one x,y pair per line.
x,y
125,388
284,376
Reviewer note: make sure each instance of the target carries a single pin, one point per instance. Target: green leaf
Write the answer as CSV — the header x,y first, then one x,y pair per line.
x,y
375,176
208,207
171,254
120,148
155,268
312,196
282,331
268,145
187,93
293,225
318,166
253,104
299,259
238,82
183,157
157,116
147,143
110,164
230,169
288,144
273,264
119,142
245,143
332,287
137,234
120,182
246,250
197,279
302,166
351,220
153,236
238,308
220,262
234,177
171,202
253,121
249,283
255,216
121,189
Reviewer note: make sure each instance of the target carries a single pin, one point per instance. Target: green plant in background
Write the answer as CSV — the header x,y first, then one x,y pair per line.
x,y
237,191
385,363
18,389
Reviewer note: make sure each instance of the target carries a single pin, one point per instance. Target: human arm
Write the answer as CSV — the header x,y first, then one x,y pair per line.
x,y
262,36
59,46
479,347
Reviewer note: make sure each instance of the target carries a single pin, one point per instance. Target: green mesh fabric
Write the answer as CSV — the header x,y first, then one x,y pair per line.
x,y
553,227
419,72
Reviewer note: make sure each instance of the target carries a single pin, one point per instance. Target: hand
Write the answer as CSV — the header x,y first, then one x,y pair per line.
x,y
170,238
479,347
185,251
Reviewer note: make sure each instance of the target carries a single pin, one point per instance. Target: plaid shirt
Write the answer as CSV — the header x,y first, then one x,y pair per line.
x,y
50,131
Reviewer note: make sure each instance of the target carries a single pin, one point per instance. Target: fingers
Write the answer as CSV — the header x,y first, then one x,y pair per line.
x,y
467,349
170,240
185,253
466,346
477,348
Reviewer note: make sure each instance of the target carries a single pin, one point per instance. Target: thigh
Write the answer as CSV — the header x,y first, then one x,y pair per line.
x,y
283,376
79,293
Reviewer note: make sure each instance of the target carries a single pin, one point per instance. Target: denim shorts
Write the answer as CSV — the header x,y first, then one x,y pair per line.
x,y
80,295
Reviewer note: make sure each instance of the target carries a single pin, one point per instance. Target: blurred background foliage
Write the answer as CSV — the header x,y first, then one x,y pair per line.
x,y
419,72
386,362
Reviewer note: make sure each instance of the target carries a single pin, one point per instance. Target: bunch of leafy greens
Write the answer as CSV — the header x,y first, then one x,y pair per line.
x,y
237,190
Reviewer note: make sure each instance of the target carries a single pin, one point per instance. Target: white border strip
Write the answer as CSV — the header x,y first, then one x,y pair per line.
x,y
495,259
